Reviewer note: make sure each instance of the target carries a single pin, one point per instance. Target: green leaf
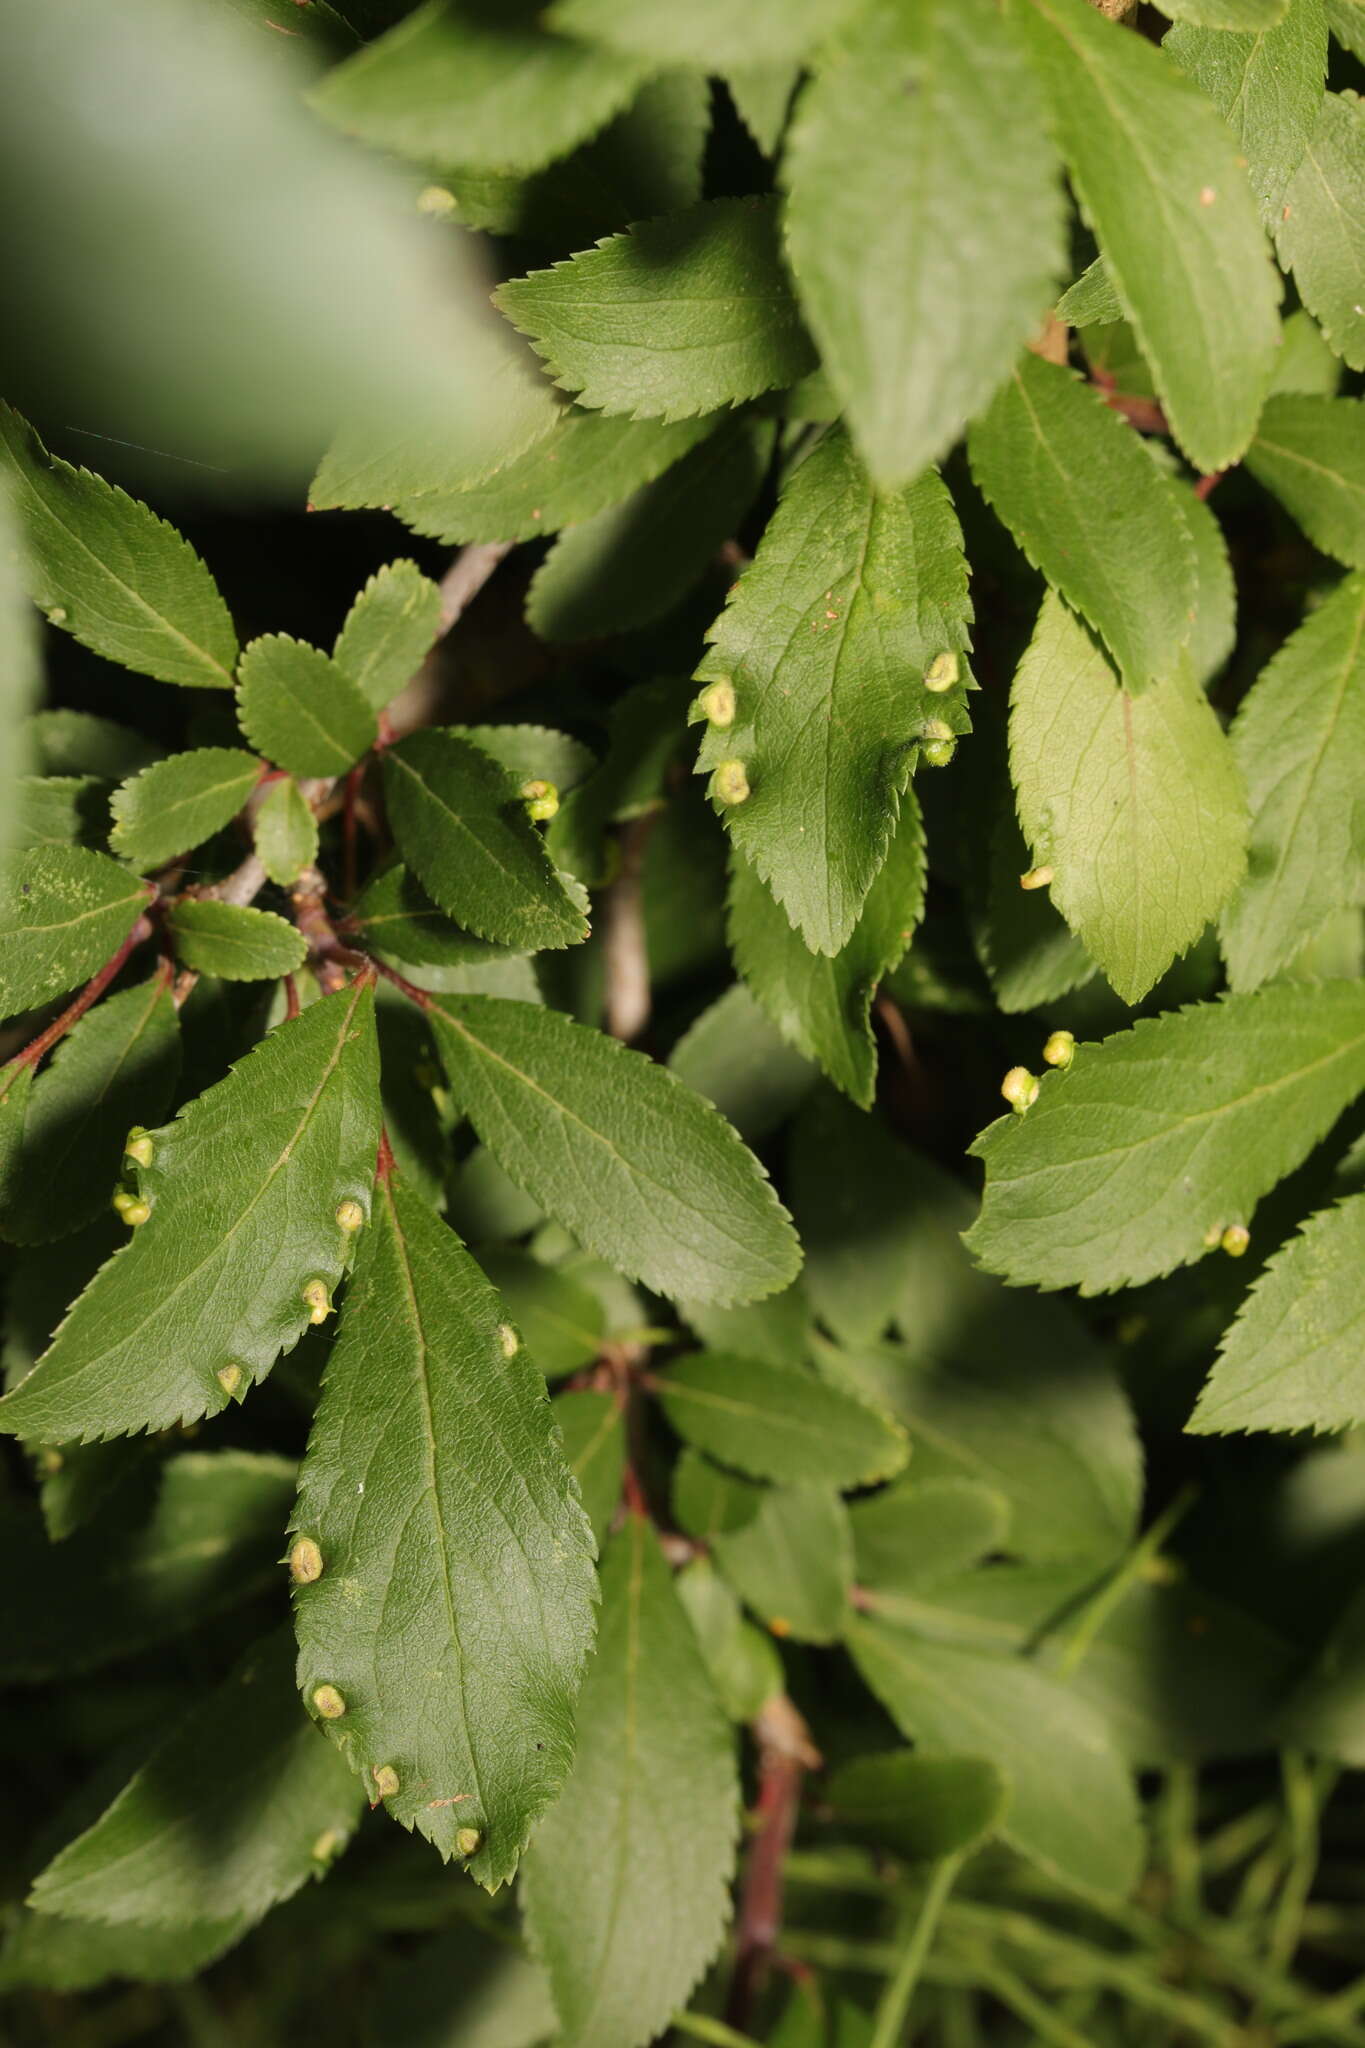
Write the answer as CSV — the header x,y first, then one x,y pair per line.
x,y
734,1056
635,561
285,831
178,803
1298,739
1266,82
745,1667
563,1323
586,463
654,1778
453,1605
709,33
1078,1822
16,1085
20,669
59,810
1091,301
592,1426
109,572
183,1844
1019,1399
1306,362
1294,1358
466,1987
209,1541
852,596
773,1423
300,709
63,912
366,465
395,918
1023,942
1346,19
455,83
1134,802
1074,485
1006,1388
762,94
1320,235
924,221
50,1954
77,743
920,1807
1245,17
464,832
647,160
1310,451
285,280
1327,1713
1156,172
707,1502
675,317
1153,1143
641,1171
1213,634
914,1535
117,1068
388,631
823,1004
792,1562
233,941
244,1189
528,752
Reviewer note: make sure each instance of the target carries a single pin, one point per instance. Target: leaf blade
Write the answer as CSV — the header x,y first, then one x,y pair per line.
x,y
453,1610
924,222
638,1169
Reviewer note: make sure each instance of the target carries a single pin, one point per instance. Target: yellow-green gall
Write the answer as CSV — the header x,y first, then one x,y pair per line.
x,y
938,753
1060,1049
318,1300
942,672
305,1562
542,799
139,1147
509,1340
1213,1237
1020,1089
435,199
468,1841
50,1462
134,1209
1235,1240
385,1780
717,702
731,782
1037,878
350,1215
330,1703
229,1378
326,1845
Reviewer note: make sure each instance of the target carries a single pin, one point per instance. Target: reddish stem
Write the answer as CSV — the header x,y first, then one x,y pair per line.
x,y
291,997
384,1162
407,988
1208,483
348,828
785,1753
88,997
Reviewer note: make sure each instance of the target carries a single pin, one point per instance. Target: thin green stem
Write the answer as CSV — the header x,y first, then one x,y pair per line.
x,y
1302,1805
889,2026
702,2027
1179,1830
1098,1610
1013,1992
